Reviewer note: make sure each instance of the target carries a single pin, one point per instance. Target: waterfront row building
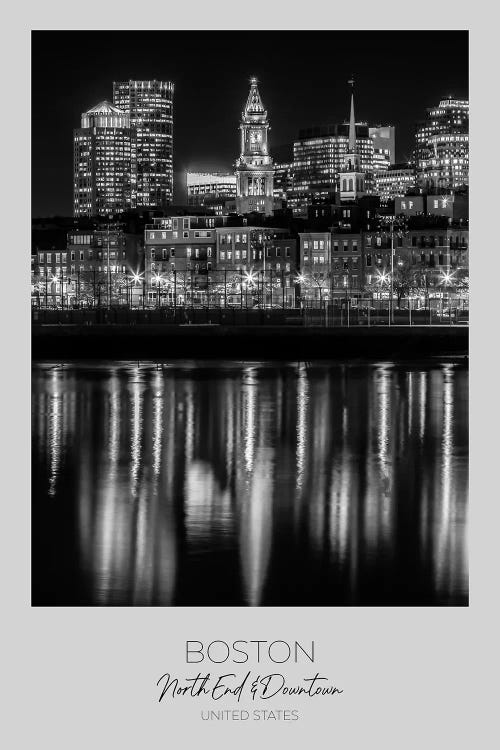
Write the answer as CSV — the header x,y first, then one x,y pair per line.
x,y
345,264
95,268
199,259
216,260
123,151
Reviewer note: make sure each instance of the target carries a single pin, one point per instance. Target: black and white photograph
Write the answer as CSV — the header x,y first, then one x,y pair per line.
x,y
249,318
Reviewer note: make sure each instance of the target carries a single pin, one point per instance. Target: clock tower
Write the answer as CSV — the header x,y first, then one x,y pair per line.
x,y
254,168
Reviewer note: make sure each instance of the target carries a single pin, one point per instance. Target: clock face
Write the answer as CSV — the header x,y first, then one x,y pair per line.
x,y
255,136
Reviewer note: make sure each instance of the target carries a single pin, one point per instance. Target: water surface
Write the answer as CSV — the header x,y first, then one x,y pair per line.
x,y
286,484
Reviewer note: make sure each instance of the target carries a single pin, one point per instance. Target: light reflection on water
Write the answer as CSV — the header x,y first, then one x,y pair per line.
x,y
250,484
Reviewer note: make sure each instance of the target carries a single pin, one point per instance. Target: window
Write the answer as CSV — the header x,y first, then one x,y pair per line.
x,y
185,235
209,252
91,255
306,245
278,266
72,270
379,241
335,247
64,256
58,257
436,204
243,238
414,241
236,254
321,258
321,244
188,252
368,241
244,254
172,252
197,252
368,260
175,235
355,281
287,267
229,254
287,252
345,246
278,252
151,235
237,238
223,255
441,259
40,258
355,246
209,266
164,253
73,254
315,245
176,223
152,253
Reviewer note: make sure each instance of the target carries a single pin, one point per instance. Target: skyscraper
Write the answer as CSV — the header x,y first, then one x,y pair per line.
x,y
149,105
442,146
103,159
254,168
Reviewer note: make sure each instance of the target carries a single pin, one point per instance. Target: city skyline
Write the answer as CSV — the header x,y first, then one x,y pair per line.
x,y
203,141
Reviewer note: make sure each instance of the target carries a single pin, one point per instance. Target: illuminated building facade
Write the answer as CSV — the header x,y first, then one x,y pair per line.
x,y
180,253
331,264
149,105
93,268
205,188
254,168
319,156
442,146
393,182
258,261
453,206
384,146
103,162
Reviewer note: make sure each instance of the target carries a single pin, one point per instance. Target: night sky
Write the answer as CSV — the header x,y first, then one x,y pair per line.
x,y
302,80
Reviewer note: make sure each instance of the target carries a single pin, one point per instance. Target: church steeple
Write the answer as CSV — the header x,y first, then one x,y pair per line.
x,y
352,122
351,178
254,168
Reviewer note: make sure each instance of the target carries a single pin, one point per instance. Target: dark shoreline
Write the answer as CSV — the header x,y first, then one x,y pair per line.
x,y
161,341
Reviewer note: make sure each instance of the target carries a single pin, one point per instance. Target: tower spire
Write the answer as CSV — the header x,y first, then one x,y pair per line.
x,y
352,120
254,104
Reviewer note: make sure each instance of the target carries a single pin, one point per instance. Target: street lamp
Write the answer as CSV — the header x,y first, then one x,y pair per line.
x,y
158,279
136,279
